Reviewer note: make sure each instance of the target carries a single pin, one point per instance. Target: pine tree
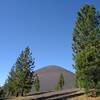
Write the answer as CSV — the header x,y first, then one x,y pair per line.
x,y
24,71
86,47
60,83
36,84
20,78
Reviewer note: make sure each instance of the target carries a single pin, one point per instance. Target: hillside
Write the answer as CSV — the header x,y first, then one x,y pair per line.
x,y
49,76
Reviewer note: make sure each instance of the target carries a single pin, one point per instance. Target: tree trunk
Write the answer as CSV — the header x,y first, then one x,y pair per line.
x,y
17,94
22,92
94,94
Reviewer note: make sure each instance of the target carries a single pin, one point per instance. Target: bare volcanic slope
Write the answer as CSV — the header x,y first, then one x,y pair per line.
x,y
49,76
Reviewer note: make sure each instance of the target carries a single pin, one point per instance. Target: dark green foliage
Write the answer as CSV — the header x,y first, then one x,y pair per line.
x,y
60,83
20,78
86,47
2,93
98,86
36,84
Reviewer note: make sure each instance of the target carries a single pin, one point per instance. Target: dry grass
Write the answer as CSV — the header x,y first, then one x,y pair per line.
x,y
20,98
85,98
75,98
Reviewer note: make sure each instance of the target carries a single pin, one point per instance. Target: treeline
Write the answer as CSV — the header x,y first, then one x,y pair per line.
x,y
22,78
86,48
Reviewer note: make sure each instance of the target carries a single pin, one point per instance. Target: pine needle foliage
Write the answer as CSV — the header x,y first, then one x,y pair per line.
x,y
86,47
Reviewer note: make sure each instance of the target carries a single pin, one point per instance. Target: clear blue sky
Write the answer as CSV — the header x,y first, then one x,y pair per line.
x,y
45,26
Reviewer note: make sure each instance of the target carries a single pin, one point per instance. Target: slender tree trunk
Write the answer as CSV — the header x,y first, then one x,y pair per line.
x,y
94,94
17,94
22,92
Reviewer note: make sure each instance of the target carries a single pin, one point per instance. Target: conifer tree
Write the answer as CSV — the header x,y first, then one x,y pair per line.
x,y
60,84
24,71
86,47
20,78
61,81
36,84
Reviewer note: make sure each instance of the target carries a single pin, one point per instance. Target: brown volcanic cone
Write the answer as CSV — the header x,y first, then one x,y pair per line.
x,y
49,76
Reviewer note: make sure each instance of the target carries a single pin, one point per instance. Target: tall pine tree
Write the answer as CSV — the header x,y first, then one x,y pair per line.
x,y
24,71
20,78
86,47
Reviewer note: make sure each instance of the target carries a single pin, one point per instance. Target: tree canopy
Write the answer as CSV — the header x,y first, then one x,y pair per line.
x,y
86,47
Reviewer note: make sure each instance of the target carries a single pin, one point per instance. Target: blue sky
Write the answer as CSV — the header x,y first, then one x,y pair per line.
x,y
45,26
